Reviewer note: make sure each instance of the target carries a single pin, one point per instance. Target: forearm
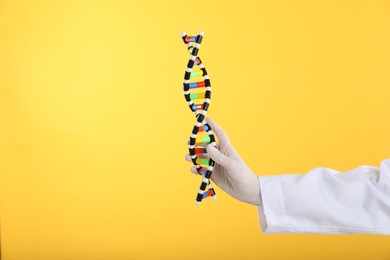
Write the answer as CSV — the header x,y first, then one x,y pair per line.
x,y
327,201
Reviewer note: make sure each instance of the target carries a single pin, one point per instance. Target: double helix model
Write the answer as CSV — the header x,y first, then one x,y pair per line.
x,y
197,92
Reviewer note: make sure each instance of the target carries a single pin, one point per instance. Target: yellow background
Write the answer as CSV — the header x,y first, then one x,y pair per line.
x,y
94,124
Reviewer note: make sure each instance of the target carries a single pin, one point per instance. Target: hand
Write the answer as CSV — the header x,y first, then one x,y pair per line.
x,y
230,172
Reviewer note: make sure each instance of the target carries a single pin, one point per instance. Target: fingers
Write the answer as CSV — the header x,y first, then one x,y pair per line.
x,y
224,159
224,142
188,157
194,170
221,135
199,144
218,157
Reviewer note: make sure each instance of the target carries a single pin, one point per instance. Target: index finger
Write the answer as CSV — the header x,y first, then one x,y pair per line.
x,y
221,135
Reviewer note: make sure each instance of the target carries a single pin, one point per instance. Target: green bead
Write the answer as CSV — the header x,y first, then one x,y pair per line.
x,y
193,96
205,161
206,139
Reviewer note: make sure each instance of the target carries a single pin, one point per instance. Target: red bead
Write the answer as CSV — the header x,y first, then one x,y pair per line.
x,y
201,84
198,150
200,170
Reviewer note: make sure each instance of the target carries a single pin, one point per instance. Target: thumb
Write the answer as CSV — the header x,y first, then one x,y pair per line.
x,y
218,157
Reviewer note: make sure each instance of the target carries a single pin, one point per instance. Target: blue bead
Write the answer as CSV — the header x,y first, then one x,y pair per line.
x,y
205,195
194,107
205,128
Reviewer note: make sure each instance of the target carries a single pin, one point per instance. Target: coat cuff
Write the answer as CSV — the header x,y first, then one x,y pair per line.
x,y
272,213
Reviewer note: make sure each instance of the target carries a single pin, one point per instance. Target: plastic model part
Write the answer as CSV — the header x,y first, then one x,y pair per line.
x,y
197,92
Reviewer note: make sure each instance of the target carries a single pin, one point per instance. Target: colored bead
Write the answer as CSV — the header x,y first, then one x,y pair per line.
x,y
201,129
202,139
195,96
190,39
200,150
199,84
193,85
202,171
202,161
196,73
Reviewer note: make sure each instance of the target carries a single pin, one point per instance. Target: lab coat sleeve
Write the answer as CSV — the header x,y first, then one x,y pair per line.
x,y
327,201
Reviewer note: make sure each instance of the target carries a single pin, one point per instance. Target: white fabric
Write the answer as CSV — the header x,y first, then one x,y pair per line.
x,y
327,201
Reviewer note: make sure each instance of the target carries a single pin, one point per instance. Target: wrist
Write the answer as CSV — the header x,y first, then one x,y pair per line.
x,y
253,193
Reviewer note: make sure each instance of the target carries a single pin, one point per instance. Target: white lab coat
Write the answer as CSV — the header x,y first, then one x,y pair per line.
x,y
327,201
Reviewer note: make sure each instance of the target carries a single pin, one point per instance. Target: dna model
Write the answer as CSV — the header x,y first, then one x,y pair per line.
x,y
197,88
